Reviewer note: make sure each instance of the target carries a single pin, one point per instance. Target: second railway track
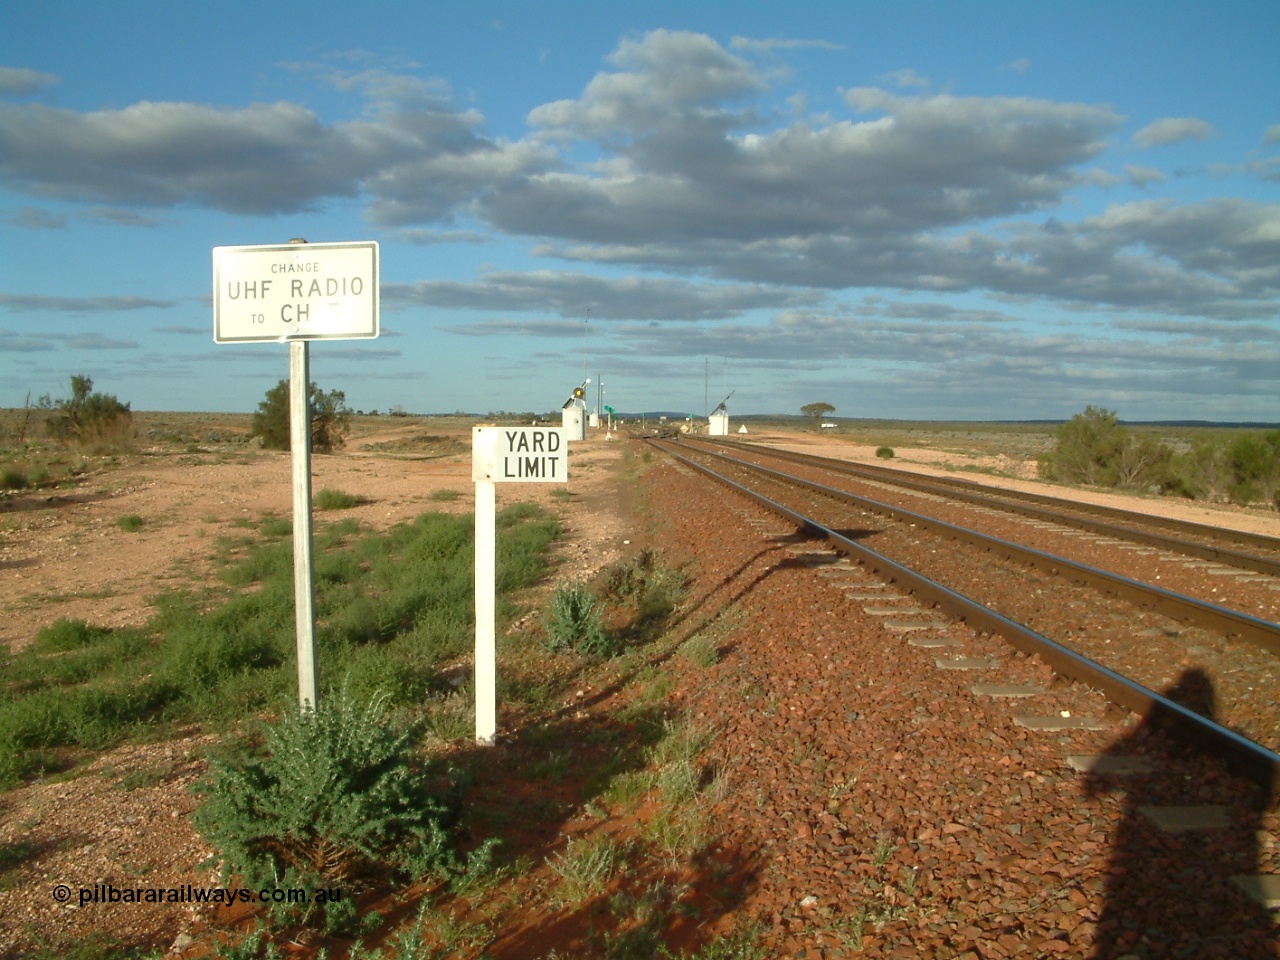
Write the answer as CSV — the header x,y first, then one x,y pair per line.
x,y
1143,640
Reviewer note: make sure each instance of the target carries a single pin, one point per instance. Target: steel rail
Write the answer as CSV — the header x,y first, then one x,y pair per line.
x,y
1241,755
1044,507
1261,633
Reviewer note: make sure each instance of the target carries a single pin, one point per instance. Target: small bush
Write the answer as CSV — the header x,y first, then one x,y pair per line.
x,y
338,798
330,418
12,478
885,453
576,623
129,523
444,496
87,416
586,867
337,500
64,634
271,525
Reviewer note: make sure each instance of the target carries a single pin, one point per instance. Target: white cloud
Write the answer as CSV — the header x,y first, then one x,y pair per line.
x,y
662,79
581,295
1144,176
933,162
907,78
35,303
418,158
1019,66
16,81
36,218
1173,130
749,43
1272,135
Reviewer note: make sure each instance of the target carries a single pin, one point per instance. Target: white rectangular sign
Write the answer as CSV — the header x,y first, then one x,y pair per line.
x,y
519,454
295,291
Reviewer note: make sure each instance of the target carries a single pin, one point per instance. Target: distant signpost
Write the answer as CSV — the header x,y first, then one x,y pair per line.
x,y
503,455
294,293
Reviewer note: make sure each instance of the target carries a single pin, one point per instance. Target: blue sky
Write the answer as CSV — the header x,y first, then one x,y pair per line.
x,y
907,210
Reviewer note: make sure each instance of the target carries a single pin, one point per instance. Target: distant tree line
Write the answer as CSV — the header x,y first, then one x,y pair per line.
x,y
1095,449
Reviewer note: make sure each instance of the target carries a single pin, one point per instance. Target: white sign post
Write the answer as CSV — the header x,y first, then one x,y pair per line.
x,y
294,293
502,455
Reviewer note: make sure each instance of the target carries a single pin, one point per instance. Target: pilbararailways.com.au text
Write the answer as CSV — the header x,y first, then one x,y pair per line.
x,y
107,893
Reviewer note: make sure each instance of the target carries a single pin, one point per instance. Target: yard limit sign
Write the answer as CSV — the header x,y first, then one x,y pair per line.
x,y
502,455
294,293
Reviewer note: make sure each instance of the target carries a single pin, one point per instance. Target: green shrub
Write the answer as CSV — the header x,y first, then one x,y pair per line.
x,y
336,500
576,623
444,495
337,798
13,478
86,416
129,523
885,453
389,607
275,527
586,866
330,418
67,634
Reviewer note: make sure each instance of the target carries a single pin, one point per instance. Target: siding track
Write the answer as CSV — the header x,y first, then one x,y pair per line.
x,y
1027,595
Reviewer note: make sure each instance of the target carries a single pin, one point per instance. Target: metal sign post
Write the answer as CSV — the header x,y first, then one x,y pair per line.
x,y
502,455
295,293
304,598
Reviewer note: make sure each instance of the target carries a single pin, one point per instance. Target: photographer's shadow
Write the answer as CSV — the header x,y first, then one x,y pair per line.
x,y
1170,890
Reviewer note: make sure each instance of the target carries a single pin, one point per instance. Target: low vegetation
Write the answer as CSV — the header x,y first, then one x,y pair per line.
x,y
391,607
340,797
330,418
576,622
1093,448
86,416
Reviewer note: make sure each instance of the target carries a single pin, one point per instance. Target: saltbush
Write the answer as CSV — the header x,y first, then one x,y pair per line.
x,y
576,622
86,416
338,799
1093,448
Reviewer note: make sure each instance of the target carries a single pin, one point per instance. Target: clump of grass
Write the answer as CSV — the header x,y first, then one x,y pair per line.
x,y
272,526
65,634
648,589
329,499
701,651
390,607
444,495
129,523
885,453
576,622
13,478
586,866
15,854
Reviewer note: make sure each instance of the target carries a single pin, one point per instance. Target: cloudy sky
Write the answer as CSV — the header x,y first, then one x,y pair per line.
x,y
908,210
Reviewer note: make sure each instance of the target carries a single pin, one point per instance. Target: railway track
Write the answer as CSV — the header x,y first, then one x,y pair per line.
x,y
1256,553
1110,632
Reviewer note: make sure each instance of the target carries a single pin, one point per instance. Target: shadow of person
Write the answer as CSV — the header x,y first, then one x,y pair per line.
x,y
1184,835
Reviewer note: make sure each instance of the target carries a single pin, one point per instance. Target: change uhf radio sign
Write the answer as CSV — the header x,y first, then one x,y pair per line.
x,y
308,291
